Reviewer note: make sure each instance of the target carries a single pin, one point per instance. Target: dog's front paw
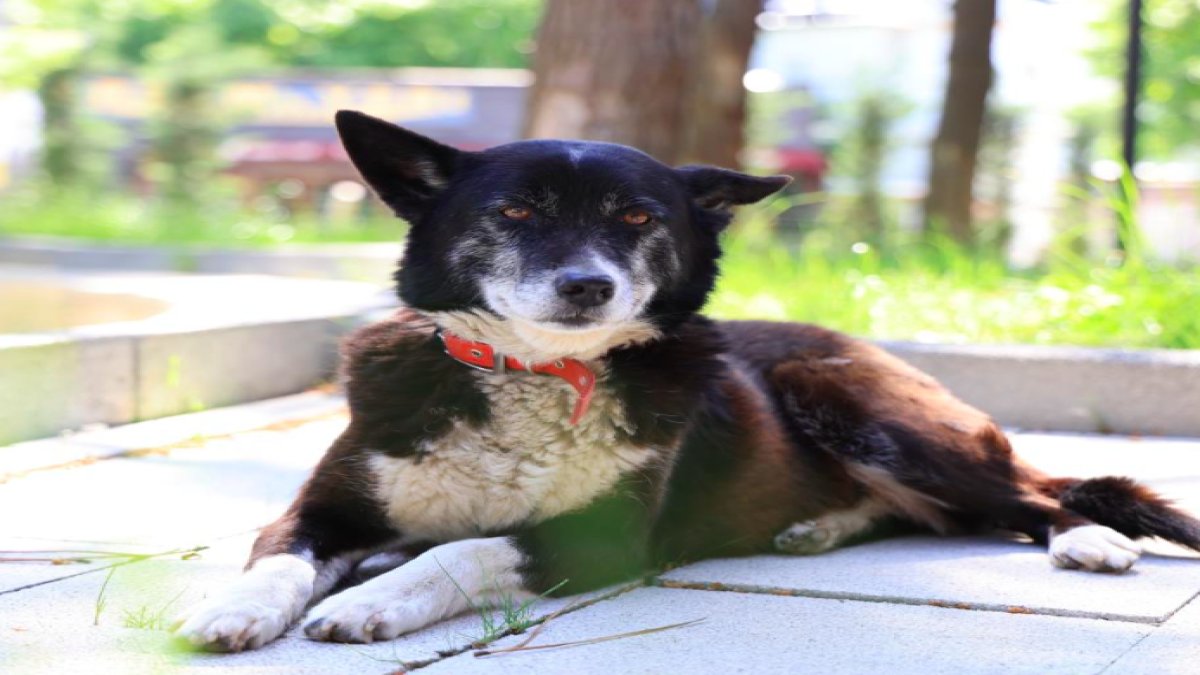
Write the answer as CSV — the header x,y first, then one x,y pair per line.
x,y
352,616
1094,547
227,625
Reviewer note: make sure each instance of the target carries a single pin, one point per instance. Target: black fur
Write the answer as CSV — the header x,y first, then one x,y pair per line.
x,y
752,426
1132,509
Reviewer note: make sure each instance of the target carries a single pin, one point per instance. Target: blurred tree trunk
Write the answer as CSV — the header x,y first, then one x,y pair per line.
x,y
642,73
953,156
716,117
61,140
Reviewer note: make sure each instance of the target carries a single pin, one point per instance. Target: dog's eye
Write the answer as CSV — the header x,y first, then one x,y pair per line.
x,y
636,217
516,212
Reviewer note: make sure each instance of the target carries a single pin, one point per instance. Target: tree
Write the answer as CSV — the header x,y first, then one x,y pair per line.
x,y
715,133
954,150
661,75
1169,110
859,158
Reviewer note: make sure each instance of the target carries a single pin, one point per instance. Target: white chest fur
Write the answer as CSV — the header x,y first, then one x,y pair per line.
x,y
528,464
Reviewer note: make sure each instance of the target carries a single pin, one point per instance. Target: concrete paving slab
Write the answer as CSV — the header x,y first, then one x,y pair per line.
x,y
168,431
27,562
1173,649
1171,465
979,573
1086,455
995,573
16,576
57,627
1134,391
749,633
187,497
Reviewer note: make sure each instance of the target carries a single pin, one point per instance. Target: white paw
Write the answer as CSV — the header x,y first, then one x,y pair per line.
x,y
805,538
1094,547
231,625
362,614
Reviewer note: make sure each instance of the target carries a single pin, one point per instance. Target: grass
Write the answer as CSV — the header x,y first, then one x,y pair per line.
x,y
143,617
102,597
121,219
936,293
505,615
146,618
919,290
932,290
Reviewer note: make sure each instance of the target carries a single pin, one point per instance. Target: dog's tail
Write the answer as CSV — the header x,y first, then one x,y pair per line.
x,y
1128,507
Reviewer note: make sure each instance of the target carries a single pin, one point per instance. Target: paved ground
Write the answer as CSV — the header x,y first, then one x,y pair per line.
x,y
908,605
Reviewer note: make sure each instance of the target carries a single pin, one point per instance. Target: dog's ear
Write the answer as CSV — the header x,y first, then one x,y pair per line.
x,y
722,189
406,169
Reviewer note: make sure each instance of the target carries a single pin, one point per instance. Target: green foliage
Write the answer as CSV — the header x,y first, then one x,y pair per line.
x,y
101,601
122,219
995,174
184,131
146,618
352,33
376,33
859,159
61,146
458,33
930,291
769,114
935,291
506,615
1170,108
187,47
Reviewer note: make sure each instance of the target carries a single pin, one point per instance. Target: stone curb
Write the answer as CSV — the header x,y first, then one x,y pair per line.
x,y
72,383
1150,392
1137,392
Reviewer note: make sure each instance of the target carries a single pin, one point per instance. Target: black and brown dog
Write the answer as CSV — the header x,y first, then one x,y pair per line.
x,y
550,411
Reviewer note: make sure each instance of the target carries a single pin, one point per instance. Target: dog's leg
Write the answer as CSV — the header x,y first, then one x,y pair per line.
x,y
940,462
605,543
444,581
832,530
298,559
282,577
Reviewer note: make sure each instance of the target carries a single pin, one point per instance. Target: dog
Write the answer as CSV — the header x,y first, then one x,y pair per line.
x,y
550,413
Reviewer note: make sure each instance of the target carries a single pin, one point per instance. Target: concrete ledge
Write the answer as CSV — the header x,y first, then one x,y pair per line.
x,y
1151,391
70,384
222,340
63,384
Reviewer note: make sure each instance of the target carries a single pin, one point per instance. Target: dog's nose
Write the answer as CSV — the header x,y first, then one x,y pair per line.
x,y
584,289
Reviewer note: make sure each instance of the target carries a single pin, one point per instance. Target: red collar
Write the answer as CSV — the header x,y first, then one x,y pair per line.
x,y
482,356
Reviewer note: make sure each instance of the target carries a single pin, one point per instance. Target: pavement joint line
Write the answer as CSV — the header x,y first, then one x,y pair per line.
x,y
1122,655
901,600
1195,598
191,442
443,655
119,561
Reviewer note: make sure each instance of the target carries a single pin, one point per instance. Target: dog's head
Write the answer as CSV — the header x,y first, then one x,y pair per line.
x,y
566,247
